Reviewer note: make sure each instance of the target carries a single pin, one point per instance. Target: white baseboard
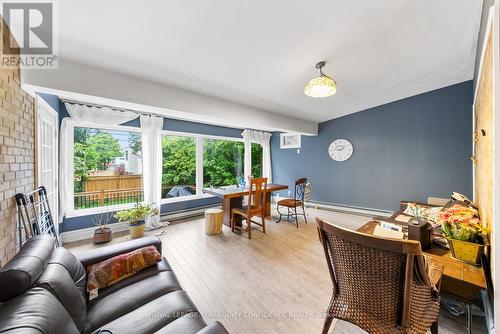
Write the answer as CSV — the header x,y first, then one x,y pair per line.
x,y
87,233
345,209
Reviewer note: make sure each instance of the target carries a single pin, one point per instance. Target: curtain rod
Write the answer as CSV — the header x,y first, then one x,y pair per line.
x,y
107,106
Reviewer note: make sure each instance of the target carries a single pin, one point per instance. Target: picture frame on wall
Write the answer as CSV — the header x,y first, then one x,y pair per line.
x,y
290,140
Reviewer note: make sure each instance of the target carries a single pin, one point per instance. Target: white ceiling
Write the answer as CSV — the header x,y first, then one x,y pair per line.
x,y
261,53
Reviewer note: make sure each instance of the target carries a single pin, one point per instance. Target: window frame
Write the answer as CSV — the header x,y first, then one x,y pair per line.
x,y
72,212
104,209
199,162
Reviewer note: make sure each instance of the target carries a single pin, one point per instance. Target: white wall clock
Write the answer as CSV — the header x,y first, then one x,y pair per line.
x,y
340,150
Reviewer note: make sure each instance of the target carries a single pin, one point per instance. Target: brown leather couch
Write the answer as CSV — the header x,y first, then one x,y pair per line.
x,y
42,290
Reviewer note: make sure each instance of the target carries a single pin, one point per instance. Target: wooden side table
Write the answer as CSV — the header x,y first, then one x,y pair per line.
x,y
213,221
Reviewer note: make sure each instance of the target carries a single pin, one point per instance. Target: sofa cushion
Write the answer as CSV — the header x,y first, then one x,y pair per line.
x,y
26,267
105,309
57,281
161,266
119,267
158,313
65,258
103,253
35,311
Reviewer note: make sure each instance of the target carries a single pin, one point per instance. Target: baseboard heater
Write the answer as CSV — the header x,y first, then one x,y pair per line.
x,y
186,213
368,212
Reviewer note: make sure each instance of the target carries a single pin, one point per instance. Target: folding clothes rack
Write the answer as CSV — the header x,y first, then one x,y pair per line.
x,y
34,216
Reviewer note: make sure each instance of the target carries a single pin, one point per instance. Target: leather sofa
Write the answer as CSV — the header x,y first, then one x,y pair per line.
x,y
42,290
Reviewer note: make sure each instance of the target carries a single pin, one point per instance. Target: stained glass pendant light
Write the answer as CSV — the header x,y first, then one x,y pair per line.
x,y
321,86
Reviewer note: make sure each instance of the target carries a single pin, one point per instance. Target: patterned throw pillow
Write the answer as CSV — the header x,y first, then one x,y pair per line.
x,y
429,213
117,268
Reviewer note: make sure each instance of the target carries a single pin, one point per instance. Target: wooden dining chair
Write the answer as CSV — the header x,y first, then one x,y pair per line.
x,y
291,205
256,206
381,285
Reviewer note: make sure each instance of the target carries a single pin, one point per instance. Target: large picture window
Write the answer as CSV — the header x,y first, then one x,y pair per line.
x,y
107,167
178,166
222,162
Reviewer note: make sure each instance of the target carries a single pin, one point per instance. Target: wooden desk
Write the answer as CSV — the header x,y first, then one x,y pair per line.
x,y
460,280
233,198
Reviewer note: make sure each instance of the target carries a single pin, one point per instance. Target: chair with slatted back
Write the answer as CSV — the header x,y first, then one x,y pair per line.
x,y
381,285
292,204
256,206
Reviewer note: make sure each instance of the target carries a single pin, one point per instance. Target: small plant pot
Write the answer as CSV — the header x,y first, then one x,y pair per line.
x,y
102,235
468,252
136,231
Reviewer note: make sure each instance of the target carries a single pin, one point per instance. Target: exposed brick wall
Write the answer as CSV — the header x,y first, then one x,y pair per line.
x,y
17,153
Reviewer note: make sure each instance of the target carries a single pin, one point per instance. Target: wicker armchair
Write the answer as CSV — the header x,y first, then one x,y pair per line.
x,y
380,285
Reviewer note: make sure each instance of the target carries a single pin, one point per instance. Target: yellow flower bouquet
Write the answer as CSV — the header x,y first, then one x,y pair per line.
x,y
464,231
462,223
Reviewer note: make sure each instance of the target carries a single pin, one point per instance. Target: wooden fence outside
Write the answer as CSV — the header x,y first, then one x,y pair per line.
x,y
103,196
122,182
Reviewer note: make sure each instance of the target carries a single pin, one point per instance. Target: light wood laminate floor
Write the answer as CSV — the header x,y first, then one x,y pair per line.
x,y
277,282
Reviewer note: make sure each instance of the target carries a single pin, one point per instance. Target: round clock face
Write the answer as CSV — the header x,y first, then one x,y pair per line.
x,y
340,150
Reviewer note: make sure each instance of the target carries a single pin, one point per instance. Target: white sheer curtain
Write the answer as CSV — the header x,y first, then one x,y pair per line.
x,y
264,139
88,115
151,127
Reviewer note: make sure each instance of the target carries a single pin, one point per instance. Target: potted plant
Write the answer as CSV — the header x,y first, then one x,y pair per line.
x,y
465,233
135,217
102,233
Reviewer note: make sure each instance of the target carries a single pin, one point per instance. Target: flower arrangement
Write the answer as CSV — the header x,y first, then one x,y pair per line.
x,y
135,216
462,223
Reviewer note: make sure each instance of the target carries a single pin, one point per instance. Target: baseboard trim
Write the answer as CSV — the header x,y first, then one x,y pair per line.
x,y
345,209
87,233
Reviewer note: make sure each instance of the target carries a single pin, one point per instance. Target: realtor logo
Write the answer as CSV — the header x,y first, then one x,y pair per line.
x,y
31,43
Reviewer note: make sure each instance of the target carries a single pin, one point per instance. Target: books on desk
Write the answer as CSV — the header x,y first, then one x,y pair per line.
x,y
387,232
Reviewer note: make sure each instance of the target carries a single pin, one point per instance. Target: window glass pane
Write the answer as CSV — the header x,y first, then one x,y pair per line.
x,y
222,162
178,166
107,167
256,160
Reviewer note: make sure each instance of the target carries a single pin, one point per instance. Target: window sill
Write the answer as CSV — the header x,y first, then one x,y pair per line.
x,y
99,210
112,208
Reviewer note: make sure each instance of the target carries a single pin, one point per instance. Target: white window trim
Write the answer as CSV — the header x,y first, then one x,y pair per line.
x,y
101,209
199,163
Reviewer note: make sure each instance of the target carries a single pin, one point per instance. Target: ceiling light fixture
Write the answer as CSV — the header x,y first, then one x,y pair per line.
x,y
321,86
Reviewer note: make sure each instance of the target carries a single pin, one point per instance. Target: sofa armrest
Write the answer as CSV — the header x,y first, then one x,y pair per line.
x,y
100,254
213,328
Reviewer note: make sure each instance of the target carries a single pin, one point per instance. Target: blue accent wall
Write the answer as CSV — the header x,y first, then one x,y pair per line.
x,y
76,223
405,150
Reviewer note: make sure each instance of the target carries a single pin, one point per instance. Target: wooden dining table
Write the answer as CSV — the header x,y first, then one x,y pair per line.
x,y
232,197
